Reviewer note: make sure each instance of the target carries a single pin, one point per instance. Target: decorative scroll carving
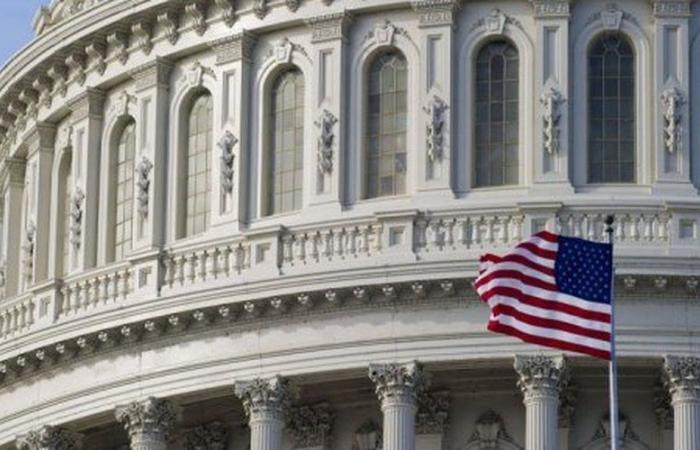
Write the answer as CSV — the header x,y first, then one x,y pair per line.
x,y
96,57
433,412
211,436
143,183
367,437
118,46
142,35
405,381
152,418
310,425
326,122
671,100
42,85
293,5
435,130
228,13
550,100
28,248
227,142
30,98
271,396
76,68
490,433
168,22
76,212
260,9
48,437
197,11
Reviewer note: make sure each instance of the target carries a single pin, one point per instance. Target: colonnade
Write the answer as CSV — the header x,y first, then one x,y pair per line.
x,y
150,423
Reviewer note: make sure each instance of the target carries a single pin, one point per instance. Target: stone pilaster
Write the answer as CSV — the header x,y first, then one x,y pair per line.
x,y
212,436
682,379
266,402
12,176
50,438
541,381
149,423
310,426
397,386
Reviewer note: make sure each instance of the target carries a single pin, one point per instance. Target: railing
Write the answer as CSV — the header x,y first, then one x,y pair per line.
x,y
265,255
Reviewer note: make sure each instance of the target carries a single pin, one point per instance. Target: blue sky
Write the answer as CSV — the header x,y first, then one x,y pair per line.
x,y
16,25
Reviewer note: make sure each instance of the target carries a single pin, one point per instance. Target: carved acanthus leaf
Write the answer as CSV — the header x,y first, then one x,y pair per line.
x,y
151,416
671,101
227,143
326,122
436,110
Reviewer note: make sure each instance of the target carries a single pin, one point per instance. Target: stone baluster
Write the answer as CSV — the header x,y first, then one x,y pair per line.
x,y
398,387
541,380
50,438
265,402
149,423
682,379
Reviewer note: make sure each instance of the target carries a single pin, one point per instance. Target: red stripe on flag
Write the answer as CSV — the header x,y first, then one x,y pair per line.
x,y
534,249
547,236
515,275
549,323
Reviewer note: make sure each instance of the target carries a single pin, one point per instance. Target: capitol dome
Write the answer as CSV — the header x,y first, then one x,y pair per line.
x,y
255,224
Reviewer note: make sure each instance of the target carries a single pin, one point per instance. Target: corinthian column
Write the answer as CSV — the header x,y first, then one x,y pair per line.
x,y
397,387
541,380
50,438
265,403
149,422
682,378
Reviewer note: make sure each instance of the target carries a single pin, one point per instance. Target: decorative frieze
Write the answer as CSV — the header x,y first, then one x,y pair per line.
x,y
150,420
50,438
549,9
326,141
329,27
672,8
227,143
436,12
212,436
238,47
310,425
152,74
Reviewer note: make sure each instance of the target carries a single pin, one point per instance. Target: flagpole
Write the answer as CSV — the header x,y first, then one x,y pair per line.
x,y
614,420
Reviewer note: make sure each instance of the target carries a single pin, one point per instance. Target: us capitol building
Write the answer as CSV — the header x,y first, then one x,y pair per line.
x,y
254,224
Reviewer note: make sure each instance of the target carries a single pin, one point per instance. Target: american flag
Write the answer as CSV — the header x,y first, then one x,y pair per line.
x,y
551,290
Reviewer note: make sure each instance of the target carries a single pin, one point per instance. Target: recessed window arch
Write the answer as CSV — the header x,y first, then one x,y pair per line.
x,y
496,104
386,126
197,165
64,217
122,189
286,153
611,110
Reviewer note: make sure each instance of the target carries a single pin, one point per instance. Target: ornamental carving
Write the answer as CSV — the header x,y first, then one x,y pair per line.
x,y
326,122
168,23
28,248
143,183
212,436
329,26
227,142
671,8
403,382
293,5
120,105
433,412
436,110
541,375
196,74
154,417
227,11
142,36
76,68
96,57
368,436
490,433
551,8
48,437
495,23
310,425
628,438
550,100
384,33
197,12
260,8
682,377
671,101
118,46
435,12
662,406
76,213
265,396
567,406
281,53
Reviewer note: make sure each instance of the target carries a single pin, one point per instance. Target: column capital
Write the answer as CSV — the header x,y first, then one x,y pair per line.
x,y
263,397
398,382
154,417
153,74
682,377
435,12
541,375
50,438
552,9
671,8
329,27
310,425
238,47
88,105
210,436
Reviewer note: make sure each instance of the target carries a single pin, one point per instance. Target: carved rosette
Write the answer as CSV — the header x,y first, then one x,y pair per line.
x,y
76,212
265,398
398,383
433,412
435,130
326,122
541,376
212,436
227,142
682,378
671,101
143,183
50,438
151,420
310,425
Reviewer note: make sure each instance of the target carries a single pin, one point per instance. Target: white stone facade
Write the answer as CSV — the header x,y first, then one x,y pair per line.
x,y
350,322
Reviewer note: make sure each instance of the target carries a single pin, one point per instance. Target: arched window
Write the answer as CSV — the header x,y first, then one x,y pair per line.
x,y
123,190
65,216
199,142
285,165
497,125
611,110
386,125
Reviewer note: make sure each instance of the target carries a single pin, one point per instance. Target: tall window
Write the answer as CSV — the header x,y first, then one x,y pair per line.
x,y
66,217
386,125
123,171
287,152
497,126
611,110
199,142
